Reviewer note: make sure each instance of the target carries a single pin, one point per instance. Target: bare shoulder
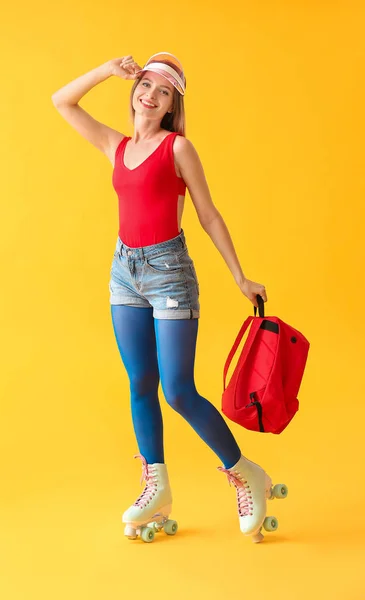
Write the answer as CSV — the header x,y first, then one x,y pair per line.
x,y
185,154
184,150
182,145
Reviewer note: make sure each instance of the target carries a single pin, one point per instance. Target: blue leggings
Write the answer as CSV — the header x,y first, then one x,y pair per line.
x,y
153,348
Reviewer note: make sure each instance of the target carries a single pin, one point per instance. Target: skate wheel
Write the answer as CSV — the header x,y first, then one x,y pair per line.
x,y
170,527
148,534
280,491
270,524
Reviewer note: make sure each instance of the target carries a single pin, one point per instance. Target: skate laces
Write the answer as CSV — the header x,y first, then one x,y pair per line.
x,y
150,477
244,498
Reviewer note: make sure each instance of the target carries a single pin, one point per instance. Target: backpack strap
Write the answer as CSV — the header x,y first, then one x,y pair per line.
x,y
254,329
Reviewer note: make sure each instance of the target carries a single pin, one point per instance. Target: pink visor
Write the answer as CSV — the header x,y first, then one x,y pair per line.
x,y
168,66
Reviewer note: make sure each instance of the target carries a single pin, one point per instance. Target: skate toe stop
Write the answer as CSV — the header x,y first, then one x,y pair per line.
x,y
258,537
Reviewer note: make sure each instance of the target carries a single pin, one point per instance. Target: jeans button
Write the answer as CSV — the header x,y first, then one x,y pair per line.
x,y
129,252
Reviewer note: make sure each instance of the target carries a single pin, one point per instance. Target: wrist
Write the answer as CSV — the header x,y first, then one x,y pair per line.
x,y
106,69
240,280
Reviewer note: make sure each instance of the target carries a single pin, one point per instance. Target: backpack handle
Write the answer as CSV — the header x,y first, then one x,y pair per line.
x,y
261,304
240,335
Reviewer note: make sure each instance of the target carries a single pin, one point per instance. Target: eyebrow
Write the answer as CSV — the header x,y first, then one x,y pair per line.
x,y
164,86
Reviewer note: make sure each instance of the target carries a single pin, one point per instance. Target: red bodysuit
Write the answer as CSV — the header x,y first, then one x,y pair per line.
x,y
148,195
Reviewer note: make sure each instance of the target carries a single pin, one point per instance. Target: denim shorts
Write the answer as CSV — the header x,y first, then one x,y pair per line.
x,y
161,276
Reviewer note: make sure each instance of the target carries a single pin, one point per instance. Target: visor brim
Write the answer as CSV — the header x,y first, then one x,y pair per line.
x,y
167,76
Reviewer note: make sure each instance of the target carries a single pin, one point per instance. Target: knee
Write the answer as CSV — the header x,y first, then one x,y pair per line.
x,y
144,384
180,398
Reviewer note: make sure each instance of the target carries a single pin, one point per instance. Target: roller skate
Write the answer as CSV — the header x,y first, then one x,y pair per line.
x,y
253,488
150,512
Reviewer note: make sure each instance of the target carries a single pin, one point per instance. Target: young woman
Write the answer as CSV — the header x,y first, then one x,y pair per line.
x,y
154,290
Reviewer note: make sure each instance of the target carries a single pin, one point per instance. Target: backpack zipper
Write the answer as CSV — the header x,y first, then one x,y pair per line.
x,y
258,406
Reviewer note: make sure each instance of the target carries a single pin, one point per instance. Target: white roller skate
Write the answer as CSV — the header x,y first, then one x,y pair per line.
x,y
253,488
150,512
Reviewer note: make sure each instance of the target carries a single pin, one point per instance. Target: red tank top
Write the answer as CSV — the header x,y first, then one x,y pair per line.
x,y
148,195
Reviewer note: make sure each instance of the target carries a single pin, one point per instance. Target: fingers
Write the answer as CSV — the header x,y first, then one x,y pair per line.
x,y
130,66
255,303
251,290
262,293
127,60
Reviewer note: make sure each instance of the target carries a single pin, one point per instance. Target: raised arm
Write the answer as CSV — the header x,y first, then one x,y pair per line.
x,y
66,101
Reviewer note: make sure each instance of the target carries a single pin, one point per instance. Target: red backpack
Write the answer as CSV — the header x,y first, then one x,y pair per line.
x,y
262,392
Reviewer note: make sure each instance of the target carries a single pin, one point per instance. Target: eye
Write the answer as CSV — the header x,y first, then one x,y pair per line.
x,y
146,83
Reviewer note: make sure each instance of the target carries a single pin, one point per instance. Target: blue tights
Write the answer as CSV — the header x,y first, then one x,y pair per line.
x,y
153,348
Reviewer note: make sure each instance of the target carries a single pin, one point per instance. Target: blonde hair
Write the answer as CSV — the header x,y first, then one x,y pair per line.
x,y
174,121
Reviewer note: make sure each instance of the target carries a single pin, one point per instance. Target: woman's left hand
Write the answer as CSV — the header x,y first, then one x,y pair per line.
x,y
251,288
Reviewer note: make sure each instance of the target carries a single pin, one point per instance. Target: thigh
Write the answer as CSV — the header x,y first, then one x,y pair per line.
x,y
176,346
135,336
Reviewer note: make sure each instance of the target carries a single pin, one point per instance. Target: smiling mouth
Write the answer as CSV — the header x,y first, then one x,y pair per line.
x,y
147,105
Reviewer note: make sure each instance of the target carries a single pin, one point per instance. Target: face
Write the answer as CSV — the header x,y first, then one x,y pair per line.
x,y
156,90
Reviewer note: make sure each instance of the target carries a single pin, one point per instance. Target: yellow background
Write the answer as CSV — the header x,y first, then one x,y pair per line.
x,y
275,108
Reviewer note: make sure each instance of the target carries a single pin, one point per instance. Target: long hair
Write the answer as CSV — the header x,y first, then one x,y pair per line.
x,y
174,121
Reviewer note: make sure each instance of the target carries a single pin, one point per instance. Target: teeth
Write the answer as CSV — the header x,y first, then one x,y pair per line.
x,y
147,103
